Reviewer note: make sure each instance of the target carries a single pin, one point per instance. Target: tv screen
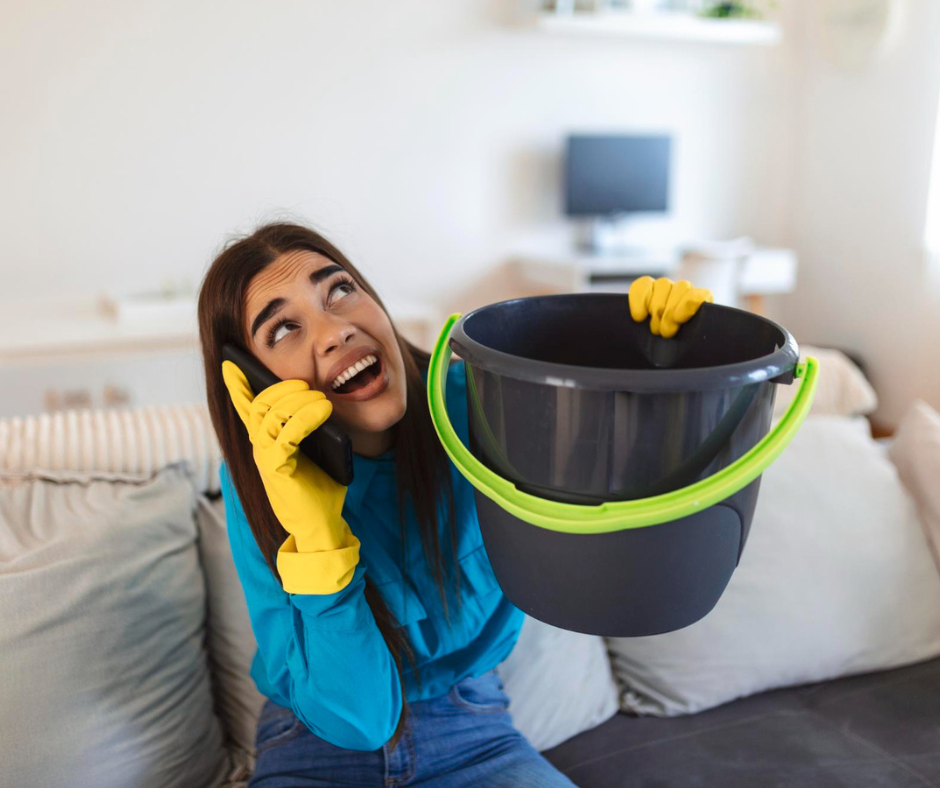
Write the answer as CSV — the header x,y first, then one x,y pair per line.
x,y
611,174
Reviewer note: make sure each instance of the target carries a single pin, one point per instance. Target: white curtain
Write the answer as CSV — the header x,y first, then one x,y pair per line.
x,y
927,322
932,224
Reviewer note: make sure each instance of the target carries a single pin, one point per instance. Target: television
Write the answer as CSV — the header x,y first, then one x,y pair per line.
x,y
610,175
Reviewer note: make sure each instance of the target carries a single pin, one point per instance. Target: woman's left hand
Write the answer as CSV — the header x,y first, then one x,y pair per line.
x,y
670,304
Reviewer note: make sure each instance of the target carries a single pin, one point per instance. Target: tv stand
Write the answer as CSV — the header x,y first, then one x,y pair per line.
x,y
602,236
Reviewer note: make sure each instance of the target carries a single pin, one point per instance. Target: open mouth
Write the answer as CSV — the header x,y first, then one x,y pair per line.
x,y
358,376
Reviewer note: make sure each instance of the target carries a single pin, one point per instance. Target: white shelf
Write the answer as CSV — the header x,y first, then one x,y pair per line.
x,y
38,331
663,25
32,330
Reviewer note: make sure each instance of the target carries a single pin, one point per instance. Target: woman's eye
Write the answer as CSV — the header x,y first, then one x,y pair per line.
x,y
340,291
274,335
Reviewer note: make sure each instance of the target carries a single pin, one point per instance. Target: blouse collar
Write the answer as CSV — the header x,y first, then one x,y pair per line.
x,y
364,470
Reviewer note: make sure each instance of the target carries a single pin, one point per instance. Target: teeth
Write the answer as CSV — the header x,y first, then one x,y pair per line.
x,y
355,369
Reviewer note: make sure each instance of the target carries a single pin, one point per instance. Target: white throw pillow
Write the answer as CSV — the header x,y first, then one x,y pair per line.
x,y
231,642
105,676
841,389
915,451
559,683
836,578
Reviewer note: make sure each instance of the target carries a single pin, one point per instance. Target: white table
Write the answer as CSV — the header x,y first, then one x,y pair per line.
x,y
766,271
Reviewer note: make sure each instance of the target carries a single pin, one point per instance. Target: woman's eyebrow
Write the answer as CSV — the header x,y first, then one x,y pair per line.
x,y
276,304
272,308
328,270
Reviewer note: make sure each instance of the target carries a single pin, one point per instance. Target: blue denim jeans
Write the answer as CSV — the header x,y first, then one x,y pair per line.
x,y
463,738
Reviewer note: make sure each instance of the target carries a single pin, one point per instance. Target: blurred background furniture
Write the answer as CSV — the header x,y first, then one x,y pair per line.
x,y
738,273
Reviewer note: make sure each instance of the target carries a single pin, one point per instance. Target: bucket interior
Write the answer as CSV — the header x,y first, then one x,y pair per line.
x,y
574,401
596,330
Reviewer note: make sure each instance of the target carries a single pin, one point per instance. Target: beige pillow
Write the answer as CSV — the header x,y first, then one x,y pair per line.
x,y
231,642
915,451
842,389
105,676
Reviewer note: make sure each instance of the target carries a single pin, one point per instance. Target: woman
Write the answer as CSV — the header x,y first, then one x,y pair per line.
x,y
378,619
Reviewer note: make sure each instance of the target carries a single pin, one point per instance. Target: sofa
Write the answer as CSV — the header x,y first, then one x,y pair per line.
x,y
126,645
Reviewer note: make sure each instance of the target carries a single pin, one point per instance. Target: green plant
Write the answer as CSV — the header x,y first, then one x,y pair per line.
x,y
738,9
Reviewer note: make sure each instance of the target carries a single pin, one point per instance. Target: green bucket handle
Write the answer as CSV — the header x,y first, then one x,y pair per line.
x,y
612,515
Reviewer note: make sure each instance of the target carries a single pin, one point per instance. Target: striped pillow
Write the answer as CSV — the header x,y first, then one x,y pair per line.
x,y
127,443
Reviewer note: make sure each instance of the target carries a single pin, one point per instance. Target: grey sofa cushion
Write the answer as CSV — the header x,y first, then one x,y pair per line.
x,y
879,730
104,672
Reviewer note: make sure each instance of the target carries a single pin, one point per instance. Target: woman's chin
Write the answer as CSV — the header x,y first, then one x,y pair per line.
x,y
376,415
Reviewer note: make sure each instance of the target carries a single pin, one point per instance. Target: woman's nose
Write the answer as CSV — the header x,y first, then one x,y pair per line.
x,y
333,335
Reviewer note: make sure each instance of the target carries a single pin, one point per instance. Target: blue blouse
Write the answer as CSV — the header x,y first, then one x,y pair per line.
x,y
323,656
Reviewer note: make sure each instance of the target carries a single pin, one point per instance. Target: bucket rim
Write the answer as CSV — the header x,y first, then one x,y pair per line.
x,y
616,515
777,366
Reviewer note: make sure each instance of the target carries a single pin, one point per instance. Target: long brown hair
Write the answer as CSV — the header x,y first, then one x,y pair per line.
x,y
423,477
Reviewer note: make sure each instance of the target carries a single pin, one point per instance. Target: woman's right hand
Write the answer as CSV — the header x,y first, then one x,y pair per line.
x,y
305,499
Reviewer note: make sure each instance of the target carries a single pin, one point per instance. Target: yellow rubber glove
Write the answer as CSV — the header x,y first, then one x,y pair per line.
x,y
670,303
320,554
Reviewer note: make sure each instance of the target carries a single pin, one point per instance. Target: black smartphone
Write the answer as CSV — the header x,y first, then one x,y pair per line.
x,y
328,445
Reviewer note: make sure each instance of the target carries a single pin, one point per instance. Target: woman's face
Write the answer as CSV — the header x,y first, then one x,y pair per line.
x,y
306,319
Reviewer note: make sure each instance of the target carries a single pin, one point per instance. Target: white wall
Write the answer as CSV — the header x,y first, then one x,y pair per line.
x,y
423,137
862,165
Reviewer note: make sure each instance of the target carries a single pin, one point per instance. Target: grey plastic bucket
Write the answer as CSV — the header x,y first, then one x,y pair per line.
x,y
574,402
